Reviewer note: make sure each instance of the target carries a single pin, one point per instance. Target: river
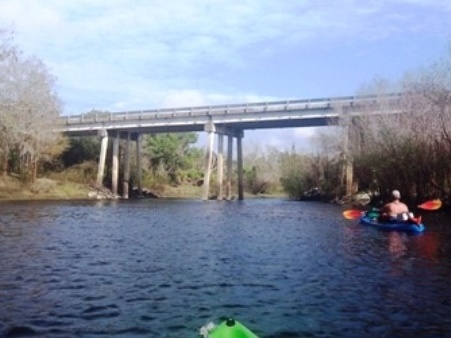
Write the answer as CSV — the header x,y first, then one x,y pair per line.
x,y
164,268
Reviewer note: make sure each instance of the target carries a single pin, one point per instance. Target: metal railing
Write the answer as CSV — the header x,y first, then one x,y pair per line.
x,y
226,109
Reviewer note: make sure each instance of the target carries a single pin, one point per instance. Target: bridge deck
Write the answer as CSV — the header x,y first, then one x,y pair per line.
x,y
277,114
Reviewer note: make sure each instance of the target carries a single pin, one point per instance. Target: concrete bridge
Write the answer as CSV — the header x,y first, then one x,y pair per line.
x,y
224,120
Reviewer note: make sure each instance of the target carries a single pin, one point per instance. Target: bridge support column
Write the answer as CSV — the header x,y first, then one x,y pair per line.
x,y
125,184
103,148
220,178
239,151
138,162
349,177
115,165
348,168
210,128
229,167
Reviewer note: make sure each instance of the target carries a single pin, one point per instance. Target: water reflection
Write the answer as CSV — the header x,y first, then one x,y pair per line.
x,y
15,218
428,246
396,244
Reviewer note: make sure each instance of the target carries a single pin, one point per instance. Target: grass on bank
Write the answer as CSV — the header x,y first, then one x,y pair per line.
x,y
11,188
62,186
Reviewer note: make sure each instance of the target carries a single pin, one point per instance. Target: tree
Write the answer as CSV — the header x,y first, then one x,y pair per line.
x,y
409,150
328,163
173,155
293,177
427,101
29,107
81,149
261,173
8,53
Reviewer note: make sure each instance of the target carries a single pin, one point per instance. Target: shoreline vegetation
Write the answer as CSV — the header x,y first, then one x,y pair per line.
x,y
12,190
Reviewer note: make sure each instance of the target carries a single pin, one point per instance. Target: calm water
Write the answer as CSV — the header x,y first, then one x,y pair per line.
x,y
165,268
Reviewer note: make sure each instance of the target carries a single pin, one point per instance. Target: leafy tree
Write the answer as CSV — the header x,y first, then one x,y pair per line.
x,y
81,149
172,156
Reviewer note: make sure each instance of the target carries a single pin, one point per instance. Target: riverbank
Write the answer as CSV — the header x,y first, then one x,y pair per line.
x,y
12,189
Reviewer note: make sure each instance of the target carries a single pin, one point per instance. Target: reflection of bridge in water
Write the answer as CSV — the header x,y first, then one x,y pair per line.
x,y
224,120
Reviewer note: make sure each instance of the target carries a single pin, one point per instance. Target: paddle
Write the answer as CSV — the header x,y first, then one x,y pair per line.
x,y
352,214
431,205
428,205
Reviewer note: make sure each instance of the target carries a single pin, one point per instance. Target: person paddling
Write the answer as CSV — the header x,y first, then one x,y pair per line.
x,y
396,211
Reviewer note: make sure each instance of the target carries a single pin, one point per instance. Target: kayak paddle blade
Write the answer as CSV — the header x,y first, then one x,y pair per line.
x,y
431,205
352,214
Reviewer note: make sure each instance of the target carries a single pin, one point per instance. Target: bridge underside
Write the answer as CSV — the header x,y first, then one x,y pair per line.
x,y
242,125
133,132
211,129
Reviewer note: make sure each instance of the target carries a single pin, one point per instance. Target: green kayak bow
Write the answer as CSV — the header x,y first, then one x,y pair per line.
x,y
231,328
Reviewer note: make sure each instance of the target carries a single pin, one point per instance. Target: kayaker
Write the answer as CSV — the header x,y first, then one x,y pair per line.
x,y
396,210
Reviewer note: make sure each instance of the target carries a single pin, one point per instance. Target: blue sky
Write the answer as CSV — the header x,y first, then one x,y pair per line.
x,y
121,55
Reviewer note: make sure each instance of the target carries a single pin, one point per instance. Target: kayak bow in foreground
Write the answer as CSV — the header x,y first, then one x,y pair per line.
x,y
229,328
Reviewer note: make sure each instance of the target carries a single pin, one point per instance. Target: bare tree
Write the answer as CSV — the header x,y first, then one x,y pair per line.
x,y
29,107
407,144
262,169
8,55
427,101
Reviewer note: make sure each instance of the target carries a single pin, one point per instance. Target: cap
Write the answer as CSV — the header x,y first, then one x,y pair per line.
x,y
396,194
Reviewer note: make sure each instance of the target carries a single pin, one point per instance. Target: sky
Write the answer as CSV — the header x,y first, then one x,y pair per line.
x,y
119,55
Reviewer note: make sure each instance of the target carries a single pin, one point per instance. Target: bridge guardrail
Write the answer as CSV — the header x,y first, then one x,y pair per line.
x,y
225,109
